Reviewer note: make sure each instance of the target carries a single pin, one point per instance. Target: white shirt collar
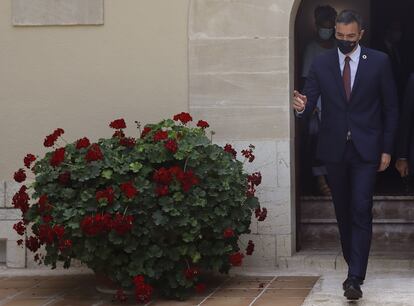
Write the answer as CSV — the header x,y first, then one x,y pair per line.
x,y
354,55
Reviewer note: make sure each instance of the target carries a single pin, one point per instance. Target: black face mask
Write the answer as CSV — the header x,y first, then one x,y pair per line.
x,y
346,46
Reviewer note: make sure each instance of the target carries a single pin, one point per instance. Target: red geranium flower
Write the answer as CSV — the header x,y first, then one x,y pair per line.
x,y
21,199
58,132
122,224
65,244
118,124
94,153
58,157
59,231
46,234
261,213
160,135
190,273
129,190
228,233
229,149
183,117
119,134
171,146
145,131
47,218
20,175
200,288
19,228
250,248
162,176
64,178
82,143
128,142
143,291
203,124
249,153
236,259
255,178
32,243
28,160
162,190
107,194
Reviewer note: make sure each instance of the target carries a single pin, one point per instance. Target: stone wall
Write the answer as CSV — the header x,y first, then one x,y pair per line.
x,y
239,81
15,256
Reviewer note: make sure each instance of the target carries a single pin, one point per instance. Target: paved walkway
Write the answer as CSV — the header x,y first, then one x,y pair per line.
x,y
380,289
79,290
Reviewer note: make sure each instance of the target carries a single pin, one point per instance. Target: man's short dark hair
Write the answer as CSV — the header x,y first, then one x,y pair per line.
x,y
350,16
324,13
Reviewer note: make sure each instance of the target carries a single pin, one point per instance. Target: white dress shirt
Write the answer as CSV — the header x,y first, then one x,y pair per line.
x,y
353,63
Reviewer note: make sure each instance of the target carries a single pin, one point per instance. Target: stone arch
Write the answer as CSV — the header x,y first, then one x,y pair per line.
x,y
240,79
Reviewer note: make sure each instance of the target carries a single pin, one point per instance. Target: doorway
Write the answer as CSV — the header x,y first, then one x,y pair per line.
x,y
394,197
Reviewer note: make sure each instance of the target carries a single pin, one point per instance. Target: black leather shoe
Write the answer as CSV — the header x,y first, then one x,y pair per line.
x,y
353,290
346,283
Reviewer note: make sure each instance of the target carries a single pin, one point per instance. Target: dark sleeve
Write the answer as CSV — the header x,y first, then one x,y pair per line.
x,y
406,121
390,106
311,90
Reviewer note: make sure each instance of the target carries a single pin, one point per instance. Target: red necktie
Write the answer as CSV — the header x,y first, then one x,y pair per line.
x,y
346,76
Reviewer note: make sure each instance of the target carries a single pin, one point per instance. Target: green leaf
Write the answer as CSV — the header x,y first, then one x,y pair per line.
x,y
196,257
135,167
107,173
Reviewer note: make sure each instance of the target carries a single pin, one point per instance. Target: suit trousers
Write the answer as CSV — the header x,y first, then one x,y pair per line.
x,y
352,182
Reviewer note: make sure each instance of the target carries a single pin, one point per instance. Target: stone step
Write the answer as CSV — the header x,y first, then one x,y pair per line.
x,y
392,209
393,222
333,261
320,234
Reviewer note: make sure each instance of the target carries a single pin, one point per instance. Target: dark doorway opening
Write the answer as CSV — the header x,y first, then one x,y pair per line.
x,y
394,196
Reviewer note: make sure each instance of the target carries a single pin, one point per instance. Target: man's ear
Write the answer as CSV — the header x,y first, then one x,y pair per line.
x,y
361,34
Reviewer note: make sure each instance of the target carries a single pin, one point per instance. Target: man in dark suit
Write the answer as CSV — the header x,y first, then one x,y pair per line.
x,y
405,147
356,138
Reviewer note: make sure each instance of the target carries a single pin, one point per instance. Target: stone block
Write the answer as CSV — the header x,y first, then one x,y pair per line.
x,y
57,12
245,123
238,55
16,255
264,254
247,90
239,18
2,194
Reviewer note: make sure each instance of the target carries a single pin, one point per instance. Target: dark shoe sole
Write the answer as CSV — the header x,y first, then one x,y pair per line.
x,y
352,294
344,285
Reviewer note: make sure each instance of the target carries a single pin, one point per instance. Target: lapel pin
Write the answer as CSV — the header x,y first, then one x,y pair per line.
x,y
364,57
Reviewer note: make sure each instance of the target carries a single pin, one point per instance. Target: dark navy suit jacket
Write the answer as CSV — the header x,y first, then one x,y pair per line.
x,y
371,114
406,132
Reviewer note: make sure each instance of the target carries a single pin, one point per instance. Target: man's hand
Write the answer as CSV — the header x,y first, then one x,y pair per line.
x,y
299,101
402,167
385,162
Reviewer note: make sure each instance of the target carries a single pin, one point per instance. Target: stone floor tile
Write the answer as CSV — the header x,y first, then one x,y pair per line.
x,y
26,302
228,301
11,283
292,285
296,278
246,284
4,293
272,301
39,293
190,302
236,293
80,302
298,293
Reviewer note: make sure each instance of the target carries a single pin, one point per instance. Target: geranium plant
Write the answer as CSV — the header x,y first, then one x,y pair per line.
x,y
151,212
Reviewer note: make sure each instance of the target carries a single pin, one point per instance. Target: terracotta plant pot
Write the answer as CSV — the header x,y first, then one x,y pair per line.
x,y
107,286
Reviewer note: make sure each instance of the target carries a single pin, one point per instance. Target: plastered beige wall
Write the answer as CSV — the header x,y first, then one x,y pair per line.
x,y
81,77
